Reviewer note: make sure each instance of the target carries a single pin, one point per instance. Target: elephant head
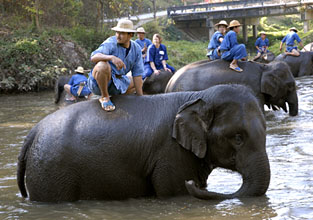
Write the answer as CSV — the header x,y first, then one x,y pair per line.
x,y
156,83
226,129
279,87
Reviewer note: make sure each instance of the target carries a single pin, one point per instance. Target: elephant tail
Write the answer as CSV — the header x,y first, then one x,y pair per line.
x,y
22,159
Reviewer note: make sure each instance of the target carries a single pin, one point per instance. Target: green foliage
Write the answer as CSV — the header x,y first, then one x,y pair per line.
x,y
28,64
181,53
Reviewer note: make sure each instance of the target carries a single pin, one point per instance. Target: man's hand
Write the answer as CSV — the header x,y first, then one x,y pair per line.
x,y
167,69
280,48
157,72
118,62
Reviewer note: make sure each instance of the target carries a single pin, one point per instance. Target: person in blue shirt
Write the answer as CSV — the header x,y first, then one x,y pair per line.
x,y
156,58
115,57
216,40
77,87
261,44
289,39
230,49
143,42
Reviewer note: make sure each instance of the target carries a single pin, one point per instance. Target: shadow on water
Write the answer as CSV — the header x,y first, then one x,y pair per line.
x,y
289,147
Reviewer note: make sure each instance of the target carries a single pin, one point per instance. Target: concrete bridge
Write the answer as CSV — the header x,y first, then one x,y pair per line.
x,y
198,20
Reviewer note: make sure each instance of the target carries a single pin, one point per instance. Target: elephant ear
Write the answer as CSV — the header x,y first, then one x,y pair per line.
x,y
191,125
270,83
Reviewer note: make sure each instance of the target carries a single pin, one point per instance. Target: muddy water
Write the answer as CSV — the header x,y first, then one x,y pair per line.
x,y
289,146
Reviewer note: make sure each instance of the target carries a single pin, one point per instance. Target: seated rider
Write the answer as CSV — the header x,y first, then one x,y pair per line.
x,y
230,49
115,57
216,40
143,42
261,44
77,87
289,40
156,58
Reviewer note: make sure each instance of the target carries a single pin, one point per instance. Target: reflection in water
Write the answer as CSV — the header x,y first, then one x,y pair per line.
x,y
289,147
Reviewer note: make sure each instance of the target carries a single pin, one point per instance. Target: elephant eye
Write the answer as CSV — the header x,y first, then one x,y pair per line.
x,y
238,140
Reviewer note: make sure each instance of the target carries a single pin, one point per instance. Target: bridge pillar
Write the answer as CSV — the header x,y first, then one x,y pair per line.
x,y
244,31
306,17
210,26
255,31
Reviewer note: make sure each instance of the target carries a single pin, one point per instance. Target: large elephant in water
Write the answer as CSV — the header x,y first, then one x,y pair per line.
x,y
154,84
272,83
146,149
299,66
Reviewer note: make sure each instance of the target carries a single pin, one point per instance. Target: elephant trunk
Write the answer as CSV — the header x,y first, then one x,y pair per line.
x,y
292,101
256,179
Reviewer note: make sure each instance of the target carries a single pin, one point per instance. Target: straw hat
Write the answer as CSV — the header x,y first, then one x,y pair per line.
x,y
294,29
222,22
234,23
262,32
124,25
141,30
80,69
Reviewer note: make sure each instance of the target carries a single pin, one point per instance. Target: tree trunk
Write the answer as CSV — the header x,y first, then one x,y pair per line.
x,y
154,9
37,14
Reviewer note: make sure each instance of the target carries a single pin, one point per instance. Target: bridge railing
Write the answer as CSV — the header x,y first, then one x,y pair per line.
x,y
172,11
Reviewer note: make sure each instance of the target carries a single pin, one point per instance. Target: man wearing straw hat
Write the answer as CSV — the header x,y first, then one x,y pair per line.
x,y
289,39
115,57
76,87
230,49
142,41
216,40
261,44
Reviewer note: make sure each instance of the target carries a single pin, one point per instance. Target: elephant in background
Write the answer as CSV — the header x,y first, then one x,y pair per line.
x,y
266,57
272,83
308,47
82,153
299,66
154,84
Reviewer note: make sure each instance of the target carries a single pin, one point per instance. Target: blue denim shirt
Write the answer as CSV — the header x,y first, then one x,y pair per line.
x,y
76,79
143,42
262,43
156,55
133,61
214,42
230,40
290,38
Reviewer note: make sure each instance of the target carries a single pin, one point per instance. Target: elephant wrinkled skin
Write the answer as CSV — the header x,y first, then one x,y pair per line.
x,y
272,83
81,152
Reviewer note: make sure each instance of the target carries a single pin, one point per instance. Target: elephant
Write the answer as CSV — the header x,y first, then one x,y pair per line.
x,y
266,58
308,47
154,84
299,66
83,153
272,83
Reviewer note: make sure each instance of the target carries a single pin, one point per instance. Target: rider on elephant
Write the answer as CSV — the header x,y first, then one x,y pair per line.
x,y
231,50
115,57
216,40
156,58
76,86
289,39
143,42
261,45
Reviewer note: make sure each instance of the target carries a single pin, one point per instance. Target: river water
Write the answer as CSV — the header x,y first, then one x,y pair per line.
x,y
289,146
